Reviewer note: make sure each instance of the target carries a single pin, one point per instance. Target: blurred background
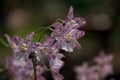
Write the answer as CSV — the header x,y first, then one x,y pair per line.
x,y
19,17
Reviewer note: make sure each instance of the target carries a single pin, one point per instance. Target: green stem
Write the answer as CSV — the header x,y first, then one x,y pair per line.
x,y
42,28
41,35
46,66
34,61
39,29
3,42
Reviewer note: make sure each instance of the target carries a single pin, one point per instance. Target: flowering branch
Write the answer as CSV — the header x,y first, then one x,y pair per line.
x,y
64,35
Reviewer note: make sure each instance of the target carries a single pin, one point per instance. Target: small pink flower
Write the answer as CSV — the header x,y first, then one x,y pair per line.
x,y
55,65
105,64
23,70
21,47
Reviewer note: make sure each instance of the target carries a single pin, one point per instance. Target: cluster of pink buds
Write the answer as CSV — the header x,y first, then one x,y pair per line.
x,y
27,62
100,71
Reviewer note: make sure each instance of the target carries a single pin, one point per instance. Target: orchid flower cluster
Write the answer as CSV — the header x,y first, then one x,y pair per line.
x,y
100,71
27,62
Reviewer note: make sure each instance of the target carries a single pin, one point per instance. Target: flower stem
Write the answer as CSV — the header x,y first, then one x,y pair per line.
x,y
3,42
40,28
60,20
34,61
43,33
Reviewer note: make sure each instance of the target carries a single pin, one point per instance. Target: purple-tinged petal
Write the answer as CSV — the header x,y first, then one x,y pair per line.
x,y
81,69
70,14
55,65
106,70
80,21
76,44
57,75
77,33
93,73
30,36
49,41
16,39
67,47
82,72
103,59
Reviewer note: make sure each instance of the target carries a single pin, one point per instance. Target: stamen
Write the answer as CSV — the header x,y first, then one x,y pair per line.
x,y
68,37
44,49
24,47
74,23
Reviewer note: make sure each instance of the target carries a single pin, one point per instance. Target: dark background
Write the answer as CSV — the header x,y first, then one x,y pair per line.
x,y
19,17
